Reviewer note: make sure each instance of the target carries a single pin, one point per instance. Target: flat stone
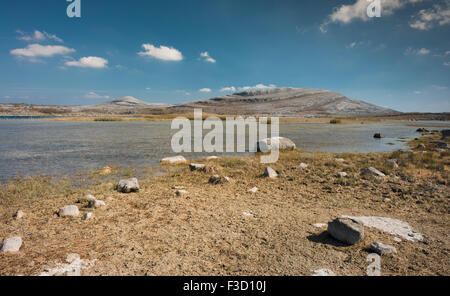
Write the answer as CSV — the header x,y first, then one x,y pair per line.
x,y
372,172
247,214
174,160
128,185
11,244
270,173
382,249
69,211
346,230
197,167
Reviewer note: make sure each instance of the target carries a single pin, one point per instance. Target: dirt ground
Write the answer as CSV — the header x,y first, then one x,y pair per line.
x,y
226,230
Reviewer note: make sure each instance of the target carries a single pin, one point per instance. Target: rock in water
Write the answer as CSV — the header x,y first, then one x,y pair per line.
x,y
377,136
382,249
128,185
372,173
11,244
174,160
69,211
270,173
346,230
268,144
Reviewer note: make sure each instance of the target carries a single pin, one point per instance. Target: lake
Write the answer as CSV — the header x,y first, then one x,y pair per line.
x,y
33,147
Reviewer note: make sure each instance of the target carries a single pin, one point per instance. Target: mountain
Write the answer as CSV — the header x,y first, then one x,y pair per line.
x,y
286,101
128,103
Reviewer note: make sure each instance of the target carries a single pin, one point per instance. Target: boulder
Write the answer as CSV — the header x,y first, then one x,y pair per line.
x,y
346,230
382,249
69,211
217,179
372,173
197,167
174,160
392,163
270,173
266,145
128,185
19,215
11,244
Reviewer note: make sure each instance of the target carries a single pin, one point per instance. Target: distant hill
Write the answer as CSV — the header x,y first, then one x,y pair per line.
x,y
286,102
127,102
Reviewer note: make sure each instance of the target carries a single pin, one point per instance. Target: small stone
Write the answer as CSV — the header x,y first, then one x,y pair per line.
x,y
217,179
174,160
253,190
323,272
270,173
181,193
247,214
128,185
71,258
197,167
339,160
88,216
346,230
303,166
19,215
88,197
382,249
341,174
319,225
11,244
95,204
372,173
69,211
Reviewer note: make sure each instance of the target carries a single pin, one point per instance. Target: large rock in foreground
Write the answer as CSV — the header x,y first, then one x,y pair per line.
x,y
128,185
11,244
69,211
346,230
267,145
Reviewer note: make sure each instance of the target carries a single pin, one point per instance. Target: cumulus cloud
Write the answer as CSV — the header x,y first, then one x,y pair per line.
x,y
426,19
228,89
257,87
447,64
89,62
34,51
207,58
95,96
161,53
421,51
38,36
205,90
345,14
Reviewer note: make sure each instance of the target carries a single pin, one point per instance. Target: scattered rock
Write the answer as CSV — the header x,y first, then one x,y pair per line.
x,y
392,163
128,185
346,230
87,198
377,136
382,249
270,173
69,211
181,193
217,179
174,160
197,167
253,190
95,204
323,272
19,215
11,244
372,173
341,174
87,216
339,160
303,166
389,225
268,144
319,225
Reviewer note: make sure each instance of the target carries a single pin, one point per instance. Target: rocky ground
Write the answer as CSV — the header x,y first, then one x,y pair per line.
x,y
182,224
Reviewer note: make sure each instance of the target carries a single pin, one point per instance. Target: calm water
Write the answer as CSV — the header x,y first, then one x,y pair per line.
x,y
32,147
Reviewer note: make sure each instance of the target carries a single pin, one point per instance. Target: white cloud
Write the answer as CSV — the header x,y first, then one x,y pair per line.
x,y
89,62
447,64
257,87
37,50
161,53
426,19
345,14
38,36
205,90
228,89
439,87
421,51
95,96
417,92
207,58
147,88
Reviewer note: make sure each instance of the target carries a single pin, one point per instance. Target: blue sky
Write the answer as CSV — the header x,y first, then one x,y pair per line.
x,y
179,51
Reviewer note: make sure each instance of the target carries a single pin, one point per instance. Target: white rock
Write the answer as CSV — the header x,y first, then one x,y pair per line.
x,y
88,216
73,267
11,244
181,193
303,166
19,215
69,211
253,190
247,214
128,185
342,174
372,173
95,204
197,167
88,197
382,249
339,160
268,144
323,272
320,225
399,240
71,258
174,160
270,173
